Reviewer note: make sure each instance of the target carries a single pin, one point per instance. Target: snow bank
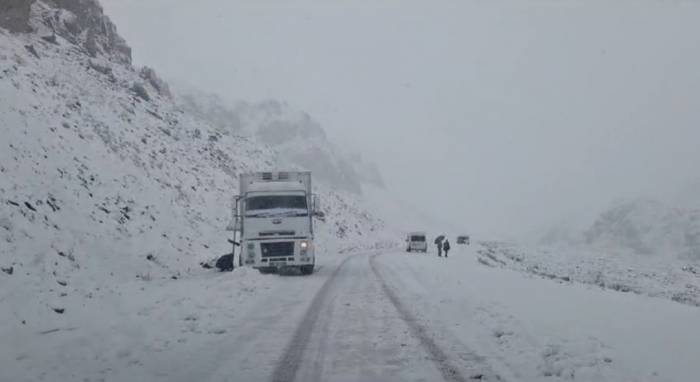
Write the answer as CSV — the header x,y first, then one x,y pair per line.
x,y
621,271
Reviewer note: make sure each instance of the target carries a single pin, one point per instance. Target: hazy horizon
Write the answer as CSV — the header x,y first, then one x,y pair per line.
x,y
505,118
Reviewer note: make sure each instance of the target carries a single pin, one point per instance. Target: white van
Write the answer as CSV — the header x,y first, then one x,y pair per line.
x,y
416,242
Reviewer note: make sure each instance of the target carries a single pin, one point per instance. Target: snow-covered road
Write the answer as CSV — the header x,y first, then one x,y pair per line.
x,y
357,329
378,316
532,329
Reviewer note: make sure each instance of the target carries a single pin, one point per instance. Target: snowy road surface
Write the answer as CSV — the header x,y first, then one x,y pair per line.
x,y
361,317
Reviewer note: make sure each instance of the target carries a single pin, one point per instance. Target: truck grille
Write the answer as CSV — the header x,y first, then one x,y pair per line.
x,y
277,249
273,233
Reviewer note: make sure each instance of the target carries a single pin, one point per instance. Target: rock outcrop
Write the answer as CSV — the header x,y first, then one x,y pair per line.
x,y
80,22
14,15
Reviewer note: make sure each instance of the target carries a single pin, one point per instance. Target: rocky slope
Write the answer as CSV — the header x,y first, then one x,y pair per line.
x,y
648,227
103,177
294,134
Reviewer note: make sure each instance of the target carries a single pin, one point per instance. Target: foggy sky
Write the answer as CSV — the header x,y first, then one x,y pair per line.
x,y
504,117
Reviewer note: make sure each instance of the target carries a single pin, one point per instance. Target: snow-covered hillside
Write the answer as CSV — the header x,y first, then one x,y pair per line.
x,y
648,227
104,178
645,227
614,269
294,135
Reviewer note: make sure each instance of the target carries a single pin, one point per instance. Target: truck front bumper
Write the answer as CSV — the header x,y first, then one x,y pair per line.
x,y
278,253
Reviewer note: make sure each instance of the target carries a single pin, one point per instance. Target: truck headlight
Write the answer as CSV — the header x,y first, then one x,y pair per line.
x,y
304,245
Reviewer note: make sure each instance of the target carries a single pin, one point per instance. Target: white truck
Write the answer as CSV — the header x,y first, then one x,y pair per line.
x,y
273,217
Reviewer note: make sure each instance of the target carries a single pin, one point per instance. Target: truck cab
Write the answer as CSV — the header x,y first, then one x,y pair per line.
x,y
416,242
274,217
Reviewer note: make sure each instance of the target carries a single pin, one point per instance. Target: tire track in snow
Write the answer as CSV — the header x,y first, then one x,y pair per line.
x,y
288,365
449,371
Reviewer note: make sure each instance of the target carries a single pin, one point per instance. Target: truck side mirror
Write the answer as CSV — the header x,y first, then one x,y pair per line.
x,y
316,206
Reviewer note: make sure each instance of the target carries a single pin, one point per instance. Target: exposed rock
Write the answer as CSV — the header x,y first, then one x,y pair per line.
x,y
83,23
14,15
152,78
30,49
50,39
104,69
9,270
30,206
140,91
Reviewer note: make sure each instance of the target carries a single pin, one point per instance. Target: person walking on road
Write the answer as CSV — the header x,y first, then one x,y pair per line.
x,y
446,246
438,242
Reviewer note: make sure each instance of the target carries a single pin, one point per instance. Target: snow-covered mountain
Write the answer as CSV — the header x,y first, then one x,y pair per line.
x,y
648,227
294,134
103,176
639,226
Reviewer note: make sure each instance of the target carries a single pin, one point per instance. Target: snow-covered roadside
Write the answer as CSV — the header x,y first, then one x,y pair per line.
x,y
165,329
534,329
670,278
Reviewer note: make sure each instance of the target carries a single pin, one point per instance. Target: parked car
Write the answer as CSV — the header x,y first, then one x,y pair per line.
x,y
463,239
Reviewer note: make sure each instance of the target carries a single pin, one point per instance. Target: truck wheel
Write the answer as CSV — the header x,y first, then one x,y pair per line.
x,y
307,269
267,270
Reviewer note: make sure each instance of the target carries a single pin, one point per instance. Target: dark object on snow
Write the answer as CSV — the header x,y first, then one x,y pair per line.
x,y
205,265
59,310
225,263
51,38
9,270
140,91
237,244
152,78
30,206
438,243
30,49
150,257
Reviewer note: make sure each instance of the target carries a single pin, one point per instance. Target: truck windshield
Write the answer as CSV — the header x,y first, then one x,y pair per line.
x,y
417,238
276,205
